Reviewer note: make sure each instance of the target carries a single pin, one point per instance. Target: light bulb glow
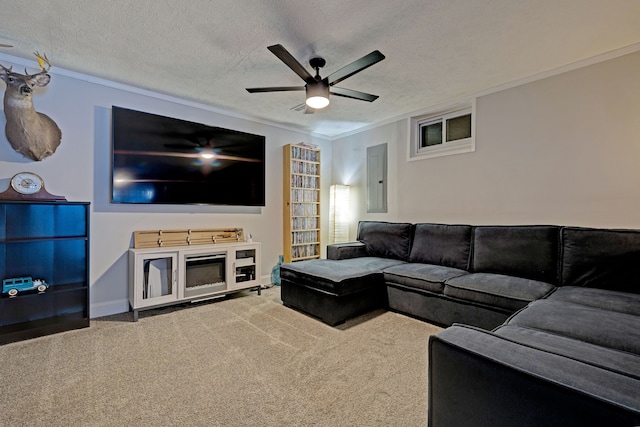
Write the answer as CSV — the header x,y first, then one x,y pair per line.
x,y
317,102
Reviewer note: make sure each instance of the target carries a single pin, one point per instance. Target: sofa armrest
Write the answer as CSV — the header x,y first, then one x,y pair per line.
x,y
346,250
479,379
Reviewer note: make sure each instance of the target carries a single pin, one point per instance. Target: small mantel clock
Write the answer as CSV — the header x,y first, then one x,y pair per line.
x,y
28,186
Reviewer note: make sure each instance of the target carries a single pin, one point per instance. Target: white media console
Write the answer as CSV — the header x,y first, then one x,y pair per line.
x,y
171,275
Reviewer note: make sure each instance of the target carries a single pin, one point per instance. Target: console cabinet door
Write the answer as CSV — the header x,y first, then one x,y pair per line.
x,y
155,278
245,266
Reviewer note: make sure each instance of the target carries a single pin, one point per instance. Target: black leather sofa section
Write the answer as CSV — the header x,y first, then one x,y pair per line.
x,y
444,273
571,358
545,319
386,239
605,259
521,251
334,290
489,272
481,379
439,244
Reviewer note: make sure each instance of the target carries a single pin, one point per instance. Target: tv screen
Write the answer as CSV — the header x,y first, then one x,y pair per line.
x,y
164,160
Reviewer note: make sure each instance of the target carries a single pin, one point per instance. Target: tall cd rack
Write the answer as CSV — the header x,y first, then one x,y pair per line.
x,y
301,203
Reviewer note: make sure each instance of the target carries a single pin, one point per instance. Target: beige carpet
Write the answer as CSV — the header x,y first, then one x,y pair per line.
x,y
243,361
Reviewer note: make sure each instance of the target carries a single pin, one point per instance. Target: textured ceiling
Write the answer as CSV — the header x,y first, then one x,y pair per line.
x,y
209,51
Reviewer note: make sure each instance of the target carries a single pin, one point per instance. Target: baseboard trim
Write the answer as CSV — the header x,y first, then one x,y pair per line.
x,y
108,308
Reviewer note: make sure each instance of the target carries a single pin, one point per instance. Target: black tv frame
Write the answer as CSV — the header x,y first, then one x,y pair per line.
x,y
158,160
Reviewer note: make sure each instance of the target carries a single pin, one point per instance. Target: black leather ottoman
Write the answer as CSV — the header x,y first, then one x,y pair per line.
x,y
333,290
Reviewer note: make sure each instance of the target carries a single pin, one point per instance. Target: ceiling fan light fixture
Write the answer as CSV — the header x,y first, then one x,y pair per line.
x,y
317,95
317,88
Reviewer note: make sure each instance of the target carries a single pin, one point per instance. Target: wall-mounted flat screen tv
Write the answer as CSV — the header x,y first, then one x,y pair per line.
x,y
163,160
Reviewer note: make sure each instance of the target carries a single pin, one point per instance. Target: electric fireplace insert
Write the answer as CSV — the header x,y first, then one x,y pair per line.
x,y
205,273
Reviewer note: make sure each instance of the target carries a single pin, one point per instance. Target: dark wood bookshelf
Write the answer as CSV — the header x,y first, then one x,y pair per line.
x,y
46,240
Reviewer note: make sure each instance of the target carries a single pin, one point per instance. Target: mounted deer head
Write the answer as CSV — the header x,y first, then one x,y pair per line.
x,y
32,134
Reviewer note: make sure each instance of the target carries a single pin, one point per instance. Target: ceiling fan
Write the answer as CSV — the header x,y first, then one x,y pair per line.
x,y
318,88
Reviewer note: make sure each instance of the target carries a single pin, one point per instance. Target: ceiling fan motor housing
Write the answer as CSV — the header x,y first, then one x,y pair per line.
x,y
317,94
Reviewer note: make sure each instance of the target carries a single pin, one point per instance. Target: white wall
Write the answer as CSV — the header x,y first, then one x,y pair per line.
x,y
80,171
561,150
349,168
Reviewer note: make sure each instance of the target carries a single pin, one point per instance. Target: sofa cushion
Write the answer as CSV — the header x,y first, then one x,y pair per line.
x,y
605,328
617,361
497,290
607,259
528,251
337,276
386,239
622,302
440,244
422,276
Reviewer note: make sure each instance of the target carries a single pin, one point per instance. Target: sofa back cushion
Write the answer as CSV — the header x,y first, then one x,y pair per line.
x,y
599,258
530,251
441,244
386,239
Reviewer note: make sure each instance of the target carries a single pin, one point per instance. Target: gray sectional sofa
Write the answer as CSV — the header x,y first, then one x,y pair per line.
x,y
546,319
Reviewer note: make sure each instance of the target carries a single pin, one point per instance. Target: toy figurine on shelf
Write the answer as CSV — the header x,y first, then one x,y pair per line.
x,y
21,284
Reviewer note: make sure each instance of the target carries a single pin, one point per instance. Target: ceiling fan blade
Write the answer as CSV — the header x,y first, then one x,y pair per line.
x,y
353,94
291,62
304,108
355,67
274,89
5,45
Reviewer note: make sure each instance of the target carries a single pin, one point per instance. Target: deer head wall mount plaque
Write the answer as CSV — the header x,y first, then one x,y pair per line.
x,y
32,134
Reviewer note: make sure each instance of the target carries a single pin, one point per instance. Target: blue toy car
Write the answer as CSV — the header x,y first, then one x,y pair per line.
x,y
20,284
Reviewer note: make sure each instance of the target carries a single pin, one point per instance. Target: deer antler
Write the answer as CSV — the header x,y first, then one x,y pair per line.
x,y
42,60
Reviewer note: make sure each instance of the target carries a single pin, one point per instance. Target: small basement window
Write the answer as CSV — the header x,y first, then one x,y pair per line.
x,y
442,134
